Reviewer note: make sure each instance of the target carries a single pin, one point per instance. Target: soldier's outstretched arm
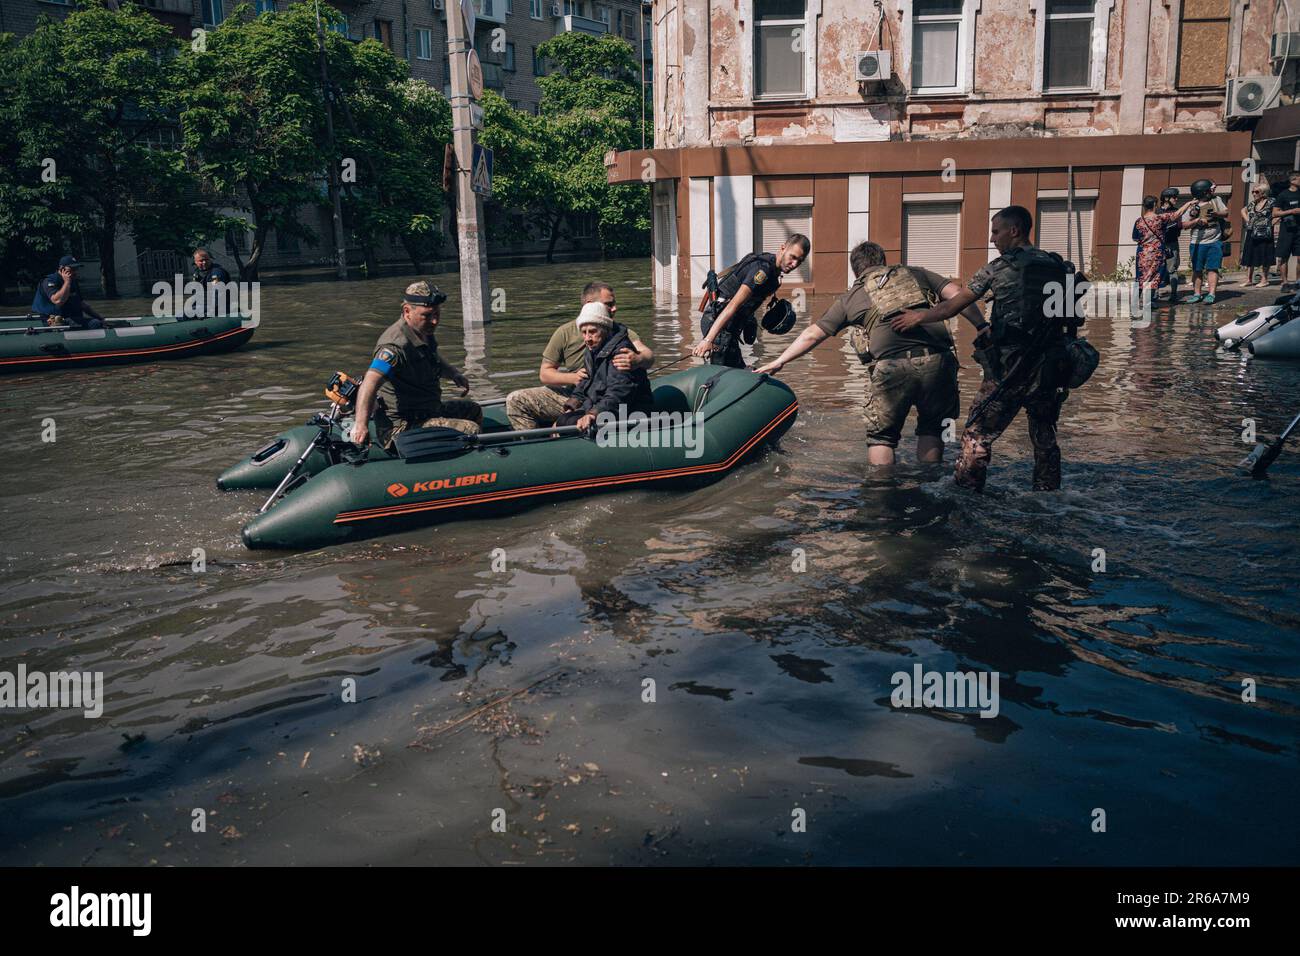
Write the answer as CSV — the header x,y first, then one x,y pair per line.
x,y
971,314
808,340
706,346
946,309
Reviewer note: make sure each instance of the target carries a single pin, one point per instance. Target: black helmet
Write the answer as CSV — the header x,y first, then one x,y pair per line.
x,y
779,317
1170,193
1201,189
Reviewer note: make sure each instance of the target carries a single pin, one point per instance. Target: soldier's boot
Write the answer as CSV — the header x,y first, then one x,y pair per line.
x,y
1047,469
973,463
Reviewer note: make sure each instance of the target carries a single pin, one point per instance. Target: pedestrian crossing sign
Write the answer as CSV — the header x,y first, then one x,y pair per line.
x,y
481,171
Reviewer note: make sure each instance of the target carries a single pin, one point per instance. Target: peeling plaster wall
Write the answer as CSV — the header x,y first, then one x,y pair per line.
x,y
705,81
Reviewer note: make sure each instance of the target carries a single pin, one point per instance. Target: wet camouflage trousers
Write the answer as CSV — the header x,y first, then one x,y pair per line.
x,y
1042,408
460,414
534,407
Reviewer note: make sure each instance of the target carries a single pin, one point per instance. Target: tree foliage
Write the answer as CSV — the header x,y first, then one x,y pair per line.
x,y
88,100
553,165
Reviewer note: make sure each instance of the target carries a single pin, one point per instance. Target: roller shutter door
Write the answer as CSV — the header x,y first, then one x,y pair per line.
x,y
1050,229
932,236
773,225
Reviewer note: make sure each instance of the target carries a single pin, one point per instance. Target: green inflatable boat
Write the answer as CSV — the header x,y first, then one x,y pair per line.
x,y
706,420
26,345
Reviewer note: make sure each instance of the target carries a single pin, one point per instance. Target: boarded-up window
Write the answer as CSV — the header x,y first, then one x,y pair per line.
x,y
773,225
1203,44
1051,229
932,236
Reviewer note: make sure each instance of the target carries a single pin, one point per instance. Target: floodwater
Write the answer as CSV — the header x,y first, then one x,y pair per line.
x,y
1120,689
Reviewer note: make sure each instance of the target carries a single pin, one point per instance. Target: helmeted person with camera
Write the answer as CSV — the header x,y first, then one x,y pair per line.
x,y
1207,221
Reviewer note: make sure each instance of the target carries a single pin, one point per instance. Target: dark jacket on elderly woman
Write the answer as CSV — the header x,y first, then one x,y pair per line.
x,y
606,388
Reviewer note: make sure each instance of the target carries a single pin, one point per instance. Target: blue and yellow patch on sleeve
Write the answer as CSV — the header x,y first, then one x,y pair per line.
x,y
384,360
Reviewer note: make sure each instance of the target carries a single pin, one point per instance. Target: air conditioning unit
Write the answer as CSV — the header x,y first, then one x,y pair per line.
x,y
557,9
1251,95
872,66
1285,46
438,4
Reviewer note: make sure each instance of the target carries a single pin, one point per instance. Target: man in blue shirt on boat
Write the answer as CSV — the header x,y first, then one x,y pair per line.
x,y
205,270
58,299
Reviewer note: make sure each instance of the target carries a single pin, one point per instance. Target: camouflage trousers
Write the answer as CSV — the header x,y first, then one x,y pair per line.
x,y
534,407
1042,408
460,414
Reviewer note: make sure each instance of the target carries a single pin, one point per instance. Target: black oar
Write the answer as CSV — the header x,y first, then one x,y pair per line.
x,y
428,444
1256,463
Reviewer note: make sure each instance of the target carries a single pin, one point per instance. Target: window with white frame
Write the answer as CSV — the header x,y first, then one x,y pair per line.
x,y
424,44
214,13
264,6
780,42
602,14
938,45
535,9
509,63
1067,44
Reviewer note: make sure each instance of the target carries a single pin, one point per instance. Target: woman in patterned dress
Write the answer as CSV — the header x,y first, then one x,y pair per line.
x,y
1149,231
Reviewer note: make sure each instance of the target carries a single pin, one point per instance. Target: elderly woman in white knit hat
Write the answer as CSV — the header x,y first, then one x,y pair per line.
x,y
607,388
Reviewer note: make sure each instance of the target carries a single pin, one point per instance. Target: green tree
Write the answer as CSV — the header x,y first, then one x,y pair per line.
x,y
88,101
254,120
393,129
553,165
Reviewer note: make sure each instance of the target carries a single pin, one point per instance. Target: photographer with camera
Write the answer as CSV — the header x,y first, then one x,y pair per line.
x,y
1207,221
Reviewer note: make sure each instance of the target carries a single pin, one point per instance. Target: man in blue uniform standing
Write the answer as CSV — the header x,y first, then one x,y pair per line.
x,y
741,290
58,299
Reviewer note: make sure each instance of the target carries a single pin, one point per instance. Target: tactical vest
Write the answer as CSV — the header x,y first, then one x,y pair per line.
x,y
1021,292
729,281
892,289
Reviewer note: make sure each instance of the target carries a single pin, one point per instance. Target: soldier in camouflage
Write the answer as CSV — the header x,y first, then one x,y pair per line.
x,y
1024,359
407,371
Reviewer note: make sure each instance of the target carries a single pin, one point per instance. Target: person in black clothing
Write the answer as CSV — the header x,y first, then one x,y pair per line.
x,y
1286,213
607,388
1169,202
58,299
741,290
205,270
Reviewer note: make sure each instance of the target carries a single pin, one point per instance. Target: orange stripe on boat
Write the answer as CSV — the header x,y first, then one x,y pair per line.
x,y
393,511
197,343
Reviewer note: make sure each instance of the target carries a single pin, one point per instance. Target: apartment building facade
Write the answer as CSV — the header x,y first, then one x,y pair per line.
x,y
507,34
909,122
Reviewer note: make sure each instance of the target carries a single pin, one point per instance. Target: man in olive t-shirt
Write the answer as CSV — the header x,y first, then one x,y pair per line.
x,y
564,366
915,368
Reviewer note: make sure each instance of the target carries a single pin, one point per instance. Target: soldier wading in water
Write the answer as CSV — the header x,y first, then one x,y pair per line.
x,y
1028,357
